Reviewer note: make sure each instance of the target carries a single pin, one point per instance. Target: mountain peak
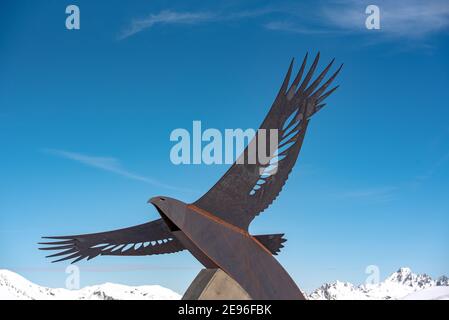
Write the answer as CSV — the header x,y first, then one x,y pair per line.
x,y
399,284
404,270
442,281
406,277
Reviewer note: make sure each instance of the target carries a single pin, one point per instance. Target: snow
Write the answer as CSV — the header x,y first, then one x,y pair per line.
x,y
16,287
434,293
400,284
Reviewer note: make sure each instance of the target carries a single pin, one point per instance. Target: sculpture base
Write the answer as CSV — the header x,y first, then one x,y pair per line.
x,y
215,284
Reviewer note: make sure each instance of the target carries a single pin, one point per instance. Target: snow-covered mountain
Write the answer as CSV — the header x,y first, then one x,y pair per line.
x,y
14,287
400,284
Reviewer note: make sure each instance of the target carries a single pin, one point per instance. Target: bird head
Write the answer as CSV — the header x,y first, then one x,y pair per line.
x,y
171,210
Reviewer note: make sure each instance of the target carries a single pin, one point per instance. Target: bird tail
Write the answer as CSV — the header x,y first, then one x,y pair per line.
x,y
273,242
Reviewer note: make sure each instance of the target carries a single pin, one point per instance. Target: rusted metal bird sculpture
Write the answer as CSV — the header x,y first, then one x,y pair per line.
x,y
214,229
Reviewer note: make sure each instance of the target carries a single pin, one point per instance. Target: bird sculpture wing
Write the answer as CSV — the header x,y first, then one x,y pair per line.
x,y
146,239
249,187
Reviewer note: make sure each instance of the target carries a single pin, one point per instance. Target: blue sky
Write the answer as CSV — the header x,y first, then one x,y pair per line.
x,y
86,115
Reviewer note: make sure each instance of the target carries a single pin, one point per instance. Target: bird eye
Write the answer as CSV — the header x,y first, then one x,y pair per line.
x,y
162,199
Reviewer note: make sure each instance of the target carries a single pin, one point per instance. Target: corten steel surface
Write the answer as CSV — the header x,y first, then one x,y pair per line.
x,y
214,229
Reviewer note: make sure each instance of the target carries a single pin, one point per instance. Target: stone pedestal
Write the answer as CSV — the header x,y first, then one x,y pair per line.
x,y
215,284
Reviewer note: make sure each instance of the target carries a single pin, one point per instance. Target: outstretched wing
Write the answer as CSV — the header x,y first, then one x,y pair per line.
x,y
146,239
249,187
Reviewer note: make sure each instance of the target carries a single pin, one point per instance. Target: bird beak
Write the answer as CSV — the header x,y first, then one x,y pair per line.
x,y
152,200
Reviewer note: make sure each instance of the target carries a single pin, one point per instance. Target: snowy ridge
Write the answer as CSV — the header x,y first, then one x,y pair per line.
x,y
16,287
400,284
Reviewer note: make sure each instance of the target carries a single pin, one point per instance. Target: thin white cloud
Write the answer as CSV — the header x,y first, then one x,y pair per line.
x,y
441,162
399,18
109,164
386,193
165,17
168,17
411,19
380,194
289,26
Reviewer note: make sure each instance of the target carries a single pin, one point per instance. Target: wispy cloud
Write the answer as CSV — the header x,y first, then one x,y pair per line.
x,y
443,160
387,193
109,164
292,27
399,18
380,194
168,17
411,19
